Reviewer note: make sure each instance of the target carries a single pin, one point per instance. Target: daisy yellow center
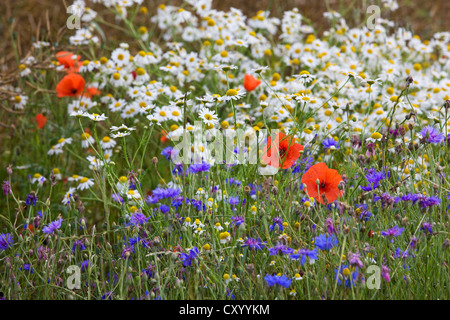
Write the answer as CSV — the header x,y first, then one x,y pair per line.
x,y
83,180
85,136
232,92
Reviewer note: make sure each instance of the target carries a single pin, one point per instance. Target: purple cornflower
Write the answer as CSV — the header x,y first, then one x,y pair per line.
x,y
31,199
170,153
413,243
116,197
386,199
428,202
253,244
330,143
6,186
385,273
6,241
426,226
53,226
127,252
237,221
280,249
305,253
138,218
431,135
330,227
233,201
370,149
354,259
283,280
188,258
393,232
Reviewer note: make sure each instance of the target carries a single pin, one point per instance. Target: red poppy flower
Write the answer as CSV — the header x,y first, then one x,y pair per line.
x,y
41,120
250,82
70,86
91,91
30,227
164,136
66,58
285,151
320,180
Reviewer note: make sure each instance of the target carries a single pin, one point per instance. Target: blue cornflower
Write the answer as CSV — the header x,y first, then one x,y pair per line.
x,y
149,271
199,167
283,280
280,249
326,242
373,178
84,265
161,193
431,135
170,153
234,181
428,202
164,208
6,241
27,267
392,232
107,296
78,244
177,202
350,280
305,253
277,221
229,294
188,258
330,143
53,226
138,240
253,244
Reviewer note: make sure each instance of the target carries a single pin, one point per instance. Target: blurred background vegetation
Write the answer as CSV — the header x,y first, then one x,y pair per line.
x,y
21,21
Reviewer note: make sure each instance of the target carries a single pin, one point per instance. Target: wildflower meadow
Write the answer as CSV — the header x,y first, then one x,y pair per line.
x,y
181,152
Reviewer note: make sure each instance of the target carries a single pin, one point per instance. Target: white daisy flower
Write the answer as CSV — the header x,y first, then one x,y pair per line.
x,y
85,183
107,143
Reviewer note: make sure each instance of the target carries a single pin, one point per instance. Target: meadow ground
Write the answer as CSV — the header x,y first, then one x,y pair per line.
x,y
194,150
